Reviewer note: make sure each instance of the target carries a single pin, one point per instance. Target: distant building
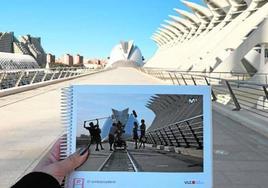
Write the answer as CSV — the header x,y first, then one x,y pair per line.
x,y
26,45
10,61
26,53
6,40
32,46
51,58
125,54
78,60
97,61
68,59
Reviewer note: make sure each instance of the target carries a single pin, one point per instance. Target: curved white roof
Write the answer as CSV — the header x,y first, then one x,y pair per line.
x,y
182,21
125,53
199,9
164,35
172,28
10,61
190,16
157,41
169,33
160,37
218,7
157,36
179,26
219,3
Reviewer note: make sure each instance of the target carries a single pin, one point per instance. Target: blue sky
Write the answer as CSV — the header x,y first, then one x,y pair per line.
x,y
92,106
88,27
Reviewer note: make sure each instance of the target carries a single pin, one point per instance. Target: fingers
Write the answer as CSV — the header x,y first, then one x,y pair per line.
x,y
73,162
52,156
55,151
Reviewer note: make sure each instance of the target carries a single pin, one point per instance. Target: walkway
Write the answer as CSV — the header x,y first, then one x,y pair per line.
x,y
30,123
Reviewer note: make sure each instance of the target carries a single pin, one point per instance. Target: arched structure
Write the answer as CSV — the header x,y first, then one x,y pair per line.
x,y
126,54
224,36
169,109
125,118
10,61
27,52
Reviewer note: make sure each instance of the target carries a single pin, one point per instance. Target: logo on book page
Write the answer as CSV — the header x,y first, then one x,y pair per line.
x,y
78,182
193,182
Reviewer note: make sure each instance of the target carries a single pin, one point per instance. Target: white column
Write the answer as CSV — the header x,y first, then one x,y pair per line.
x,y
262,55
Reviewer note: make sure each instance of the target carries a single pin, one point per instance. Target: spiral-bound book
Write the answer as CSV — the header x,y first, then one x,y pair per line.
x,y
139,136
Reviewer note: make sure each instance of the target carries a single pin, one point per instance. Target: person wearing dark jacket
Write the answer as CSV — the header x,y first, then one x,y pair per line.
x,y
135,134
142,136
51,171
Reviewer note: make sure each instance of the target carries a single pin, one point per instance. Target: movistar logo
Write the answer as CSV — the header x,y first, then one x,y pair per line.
x,y
193,182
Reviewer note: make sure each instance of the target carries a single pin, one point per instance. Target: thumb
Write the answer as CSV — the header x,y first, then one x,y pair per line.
x,y
72,162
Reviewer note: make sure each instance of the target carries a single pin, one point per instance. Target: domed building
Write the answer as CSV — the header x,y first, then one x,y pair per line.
x,y
10,61
125,54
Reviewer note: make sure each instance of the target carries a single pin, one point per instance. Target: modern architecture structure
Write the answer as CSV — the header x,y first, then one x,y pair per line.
x,y
224,36
124,117
6,40
10,61
32,45
125,54
26,52
169,109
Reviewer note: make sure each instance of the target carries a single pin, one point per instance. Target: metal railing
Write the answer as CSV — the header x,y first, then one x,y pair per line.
x,y
187,133
233,89
17,78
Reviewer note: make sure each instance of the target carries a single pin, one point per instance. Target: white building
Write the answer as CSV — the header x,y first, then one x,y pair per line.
x,y
125,54
28,48
224,36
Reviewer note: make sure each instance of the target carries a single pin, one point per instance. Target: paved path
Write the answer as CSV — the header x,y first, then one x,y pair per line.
x,y
146,160
30,123
153,160
240,155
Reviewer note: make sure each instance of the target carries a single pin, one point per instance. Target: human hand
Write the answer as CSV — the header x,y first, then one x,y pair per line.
x,y
52,165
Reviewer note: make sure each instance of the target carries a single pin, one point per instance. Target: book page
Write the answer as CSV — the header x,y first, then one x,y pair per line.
x,y
142,136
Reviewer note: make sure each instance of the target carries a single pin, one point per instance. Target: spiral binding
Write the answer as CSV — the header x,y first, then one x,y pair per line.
x,y
66,118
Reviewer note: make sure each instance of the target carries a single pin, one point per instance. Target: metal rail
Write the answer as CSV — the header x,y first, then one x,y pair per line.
x,y
106,165
187,133
234,89
17,78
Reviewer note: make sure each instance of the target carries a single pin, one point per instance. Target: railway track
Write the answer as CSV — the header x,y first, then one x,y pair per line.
x,y
119,160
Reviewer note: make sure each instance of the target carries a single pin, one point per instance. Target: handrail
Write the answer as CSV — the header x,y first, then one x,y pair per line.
x,y
242,94
220,72
179,122
16,78
235,81
180,134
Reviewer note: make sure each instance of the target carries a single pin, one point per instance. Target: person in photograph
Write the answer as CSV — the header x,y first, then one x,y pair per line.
x,y
98,136
112,132
143,131
135,134
119,139
91,131
119,131
94,132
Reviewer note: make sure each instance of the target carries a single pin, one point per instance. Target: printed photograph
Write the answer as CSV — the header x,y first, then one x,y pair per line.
x,y
141,132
